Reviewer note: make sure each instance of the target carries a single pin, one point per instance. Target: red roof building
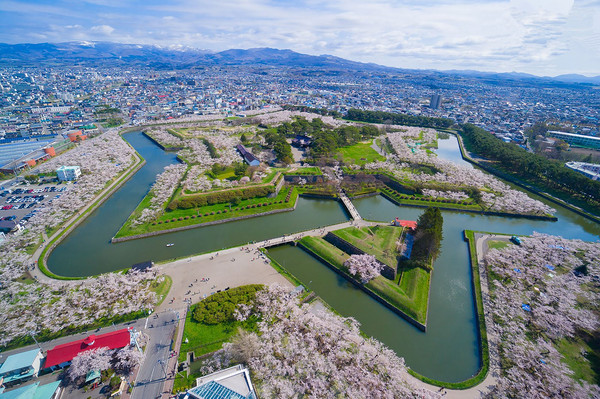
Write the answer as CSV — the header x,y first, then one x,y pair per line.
x,y
405,223
66,352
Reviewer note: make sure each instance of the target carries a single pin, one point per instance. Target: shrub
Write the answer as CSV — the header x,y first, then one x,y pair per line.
x,y
219,307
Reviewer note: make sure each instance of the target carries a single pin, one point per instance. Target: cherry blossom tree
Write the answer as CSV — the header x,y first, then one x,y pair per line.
x,y
540,273
366,267
303,352
93,359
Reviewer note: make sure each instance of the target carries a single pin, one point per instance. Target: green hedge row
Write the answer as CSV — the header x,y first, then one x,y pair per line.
x,y
220,197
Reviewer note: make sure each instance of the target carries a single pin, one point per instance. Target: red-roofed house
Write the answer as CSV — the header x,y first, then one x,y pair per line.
x,y
61,355
405,223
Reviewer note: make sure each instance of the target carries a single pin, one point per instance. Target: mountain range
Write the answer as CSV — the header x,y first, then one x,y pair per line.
x,y
181,57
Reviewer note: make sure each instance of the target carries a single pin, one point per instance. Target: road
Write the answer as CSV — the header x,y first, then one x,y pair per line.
x,y
154,369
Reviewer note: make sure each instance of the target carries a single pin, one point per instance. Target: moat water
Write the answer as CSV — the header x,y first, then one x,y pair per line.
x,y
448,351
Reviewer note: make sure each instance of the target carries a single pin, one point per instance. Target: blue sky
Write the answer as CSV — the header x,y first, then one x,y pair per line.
x,y
543,37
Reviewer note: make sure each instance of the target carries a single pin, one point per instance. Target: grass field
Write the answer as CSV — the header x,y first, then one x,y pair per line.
x,y
209,213
497,244
359,154
410,296
380,241
309,171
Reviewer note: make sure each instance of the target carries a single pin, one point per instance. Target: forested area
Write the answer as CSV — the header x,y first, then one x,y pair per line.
x,y
398,119
532,167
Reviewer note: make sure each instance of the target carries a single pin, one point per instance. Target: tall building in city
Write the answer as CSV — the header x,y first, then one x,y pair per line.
x,y
435,101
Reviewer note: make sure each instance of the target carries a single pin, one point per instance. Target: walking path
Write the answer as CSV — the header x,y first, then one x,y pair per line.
x,y
349,206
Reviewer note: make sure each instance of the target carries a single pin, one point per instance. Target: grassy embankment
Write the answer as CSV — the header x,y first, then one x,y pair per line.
x,y
408,293
209,213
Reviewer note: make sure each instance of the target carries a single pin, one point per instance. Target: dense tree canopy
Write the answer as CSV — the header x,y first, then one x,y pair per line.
x,y
398,119
428,236
536,168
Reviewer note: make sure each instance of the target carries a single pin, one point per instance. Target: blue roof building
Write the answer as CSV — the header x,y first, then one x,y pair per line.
x,y
21,367
231,383
34,391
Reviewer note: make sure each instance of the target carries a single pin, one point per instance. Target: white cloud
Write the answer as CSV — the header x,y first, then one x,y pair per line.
x,y
527,35
105,30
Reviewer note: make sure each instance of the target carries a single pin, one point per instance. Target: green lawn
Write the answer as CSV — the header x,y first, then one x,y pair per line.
x,y
227,174
360,154
204,338
325,250
585,366
309,171
209,213
380,241
497,244
410,296
428,201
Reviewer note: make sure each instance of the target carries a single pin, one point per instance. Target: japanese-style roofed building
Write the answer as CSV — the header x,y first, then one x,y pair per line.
x,y
61,355
248,156
231,383
301,141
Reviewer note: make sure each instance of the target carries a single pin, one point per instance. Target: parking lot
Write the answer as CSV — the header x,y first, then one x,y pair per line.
x,y
21,202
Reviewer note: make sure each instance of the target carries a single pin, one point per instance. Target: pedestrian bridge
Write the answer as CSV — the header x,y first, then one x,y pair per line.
x,y
349,206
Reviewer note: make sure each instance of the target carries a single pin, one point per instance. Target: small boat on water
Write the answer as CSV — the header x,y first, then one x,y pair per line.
x,y
170,245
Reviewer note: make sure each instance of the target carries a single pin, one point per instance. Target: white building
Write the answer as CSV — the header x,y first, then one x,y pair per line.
x,y
590,170
68,173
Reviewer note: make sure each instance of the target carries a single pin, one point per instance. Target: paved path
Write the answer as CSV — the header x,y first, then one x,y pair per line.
x,y
379,150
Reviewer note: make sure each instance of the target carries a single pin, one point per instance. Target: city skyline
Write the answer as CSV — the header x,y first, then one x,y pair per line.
x,y
544,38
